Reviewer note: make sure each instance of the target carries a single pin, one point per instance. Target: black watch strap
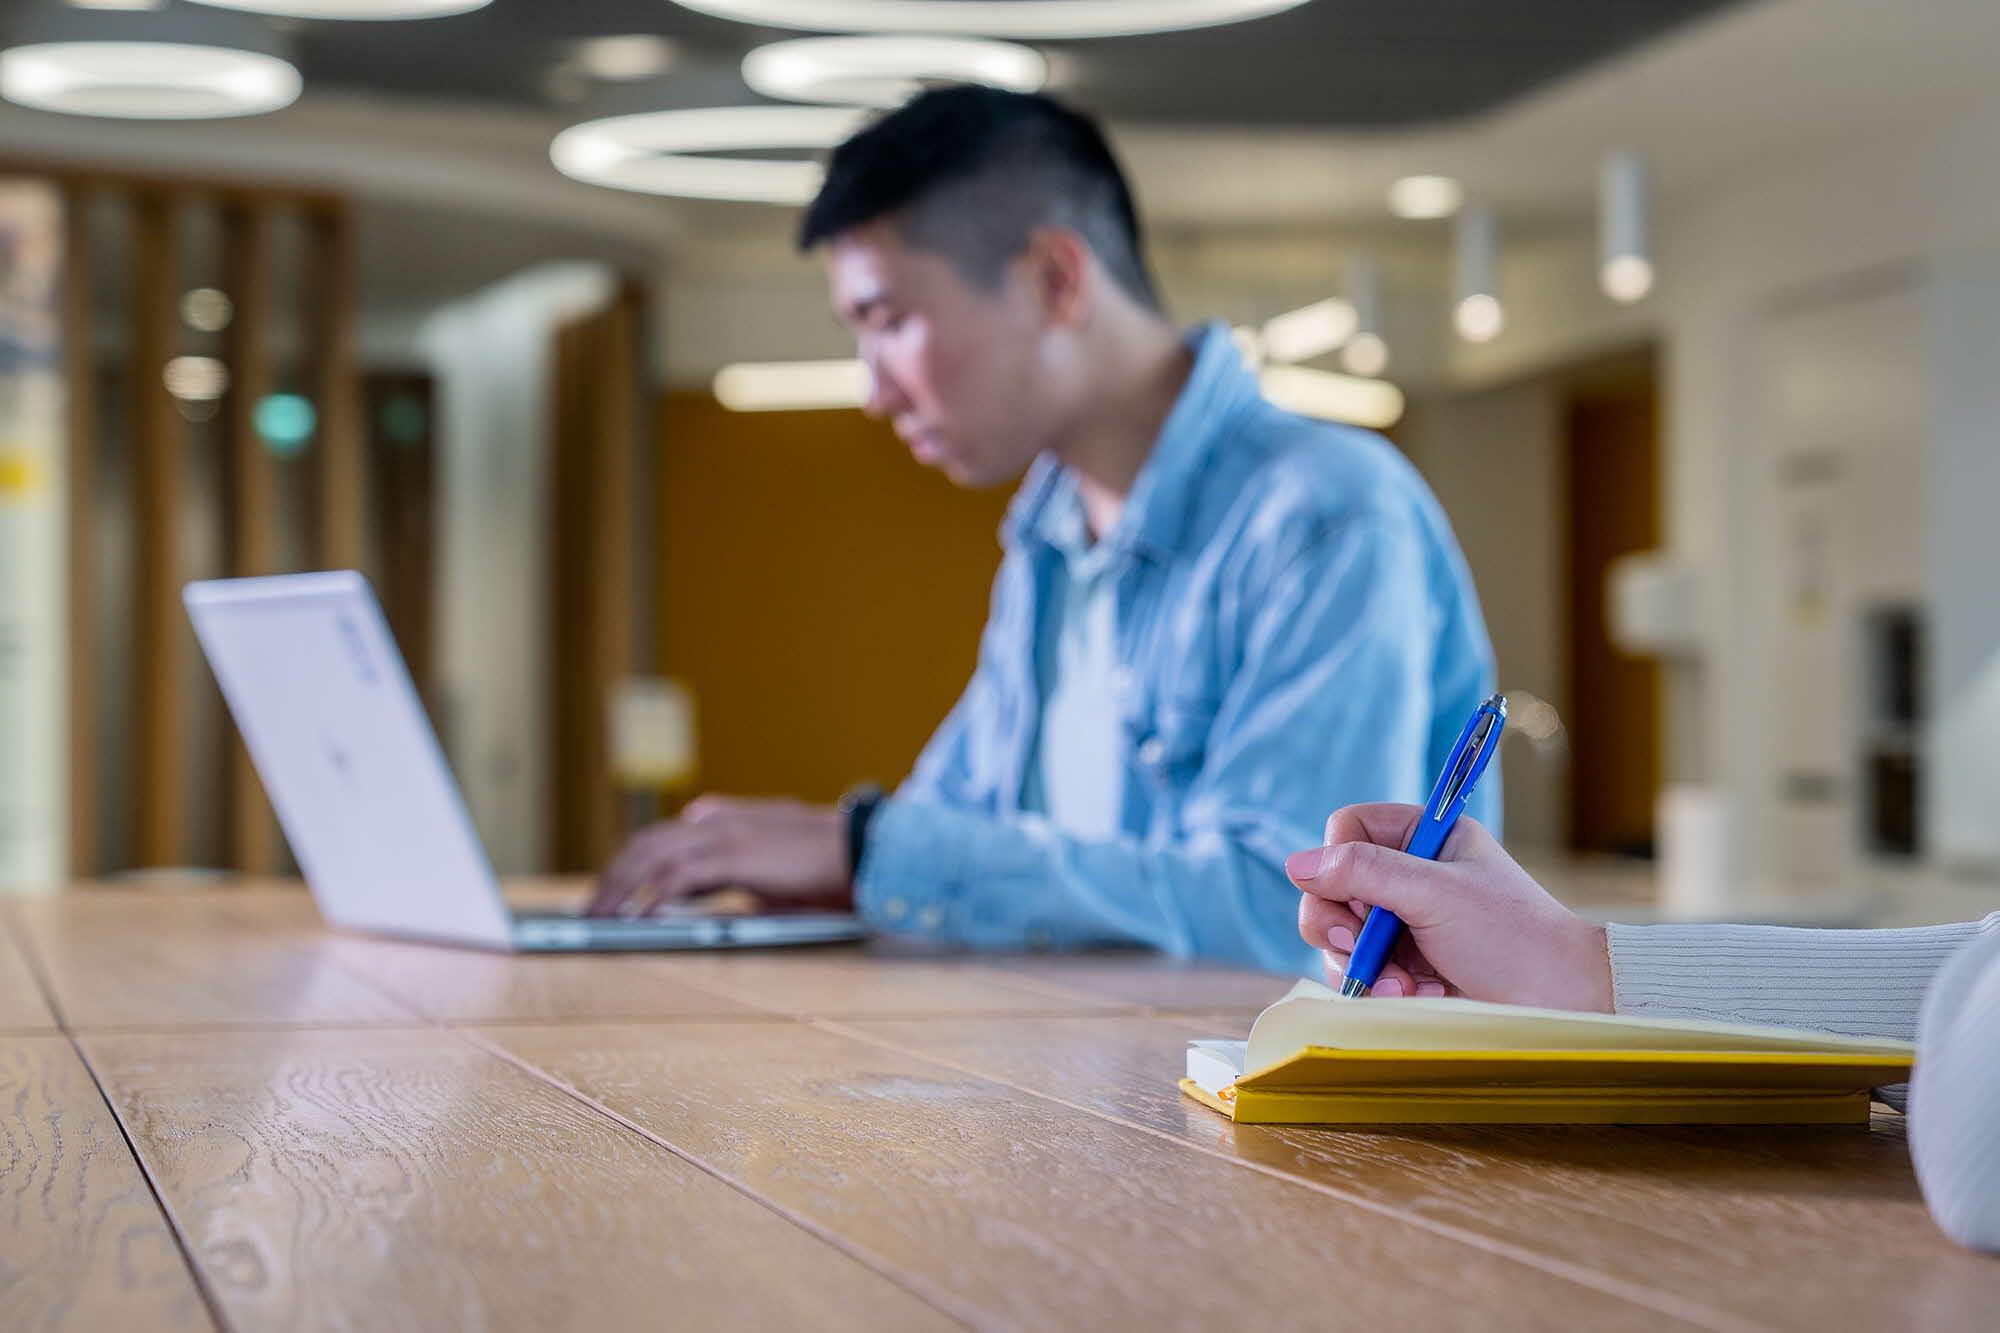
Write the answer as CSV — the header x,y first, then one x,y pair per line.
x,y
859,805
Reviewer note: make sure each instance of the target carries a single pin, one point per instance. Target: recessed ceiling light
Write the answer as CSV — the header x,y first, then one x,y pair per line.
x,y
1479,318
351,9
1310,331
992,18
639,55
1626,278
1365,354
1626,270
887,71
665,152
1422,197
146,80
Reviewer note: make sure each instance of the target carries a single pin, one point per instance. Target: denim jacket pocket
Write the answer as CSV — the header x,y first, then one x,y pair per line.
x,y
1171,748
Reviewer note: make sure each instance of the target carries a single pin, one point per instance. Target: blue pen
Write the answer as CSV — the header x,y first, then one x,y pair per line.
x,y
1476,745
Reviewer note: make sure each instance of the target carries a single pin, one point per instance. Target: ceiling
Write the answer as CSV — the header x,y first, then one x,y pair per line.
x,y
1328,64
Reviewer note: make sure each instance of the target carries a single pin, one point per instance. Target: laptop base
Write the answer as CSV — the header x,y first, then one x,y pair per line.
x,y
557,932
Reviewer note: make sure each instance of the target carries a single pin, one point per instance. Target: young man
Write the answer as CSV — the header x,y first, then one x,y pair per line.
x,y
1213,619
1479,926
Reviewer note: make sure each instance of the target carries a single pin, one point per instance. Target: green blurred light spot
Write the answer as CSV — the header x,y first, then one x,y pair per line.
x,y
404,419
286,421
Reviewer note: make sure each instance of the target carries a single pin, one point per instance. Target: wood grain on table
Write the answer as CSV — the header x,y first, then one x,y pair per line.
x,y
82,1241
381,1178
1800,1228
812,982
1028,1213
167,958
1150,980
354,1133
460,985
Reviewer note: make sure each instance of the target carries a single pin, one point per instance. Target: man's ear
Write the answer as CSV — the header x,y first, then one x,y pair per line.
x,y
1062,274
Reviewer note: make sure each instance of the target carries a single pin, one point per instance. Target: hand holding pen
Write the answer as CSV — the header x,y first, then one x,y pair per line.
x,y
1472,923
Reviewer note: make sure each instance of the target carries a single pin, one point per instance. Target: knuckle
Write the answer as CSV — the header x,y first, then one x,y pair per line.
x,y
1343,861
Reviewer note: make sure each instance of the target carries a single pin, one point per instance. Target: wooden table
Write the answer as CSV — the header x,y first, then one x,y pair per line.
x,y
214,1113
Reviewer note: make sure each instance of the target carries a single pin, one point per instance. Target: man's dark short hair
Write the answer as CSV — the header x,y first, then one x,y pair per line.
x,y
969,172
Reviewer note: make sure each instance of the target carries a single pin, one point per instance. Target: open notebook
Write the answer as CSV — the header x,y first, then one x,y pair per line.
x,y
1314,1058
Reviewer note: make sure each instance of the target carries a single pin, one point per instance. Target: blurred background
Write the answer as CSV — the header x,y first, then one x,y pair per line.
x,y
1688,309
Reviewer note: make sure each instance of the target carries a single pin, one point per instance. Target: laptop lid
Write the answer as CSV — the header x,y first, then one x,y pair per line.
x,y
325,704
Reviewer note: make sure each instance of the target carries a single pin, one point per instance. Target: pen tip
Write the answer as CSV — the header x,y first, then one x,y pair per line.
x,y
1498,703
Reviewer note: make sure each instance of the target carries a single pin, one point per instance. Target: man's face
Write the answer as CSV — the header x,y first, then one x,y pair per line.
x,y
965,375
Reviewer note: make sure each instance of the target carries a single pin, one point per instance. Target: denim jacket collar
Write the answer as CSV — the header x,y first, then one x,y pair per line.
x,y
1156,512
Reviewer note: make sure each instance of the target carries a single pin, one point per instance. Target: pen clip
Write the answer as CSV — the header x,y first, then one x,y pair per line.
x,y
1469,758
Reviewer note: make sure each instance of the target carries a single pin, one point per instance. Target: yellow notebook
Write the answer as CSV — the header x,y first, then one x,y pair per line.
x,y
1316,1059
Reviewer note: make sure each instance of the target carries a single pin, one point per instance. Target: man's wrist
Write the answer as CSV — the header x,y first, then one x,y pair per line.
x,y
857,808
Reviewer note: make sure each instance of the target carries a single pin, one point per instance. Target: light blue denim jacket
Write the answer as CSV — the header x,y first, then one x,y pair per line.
x,y
1297,631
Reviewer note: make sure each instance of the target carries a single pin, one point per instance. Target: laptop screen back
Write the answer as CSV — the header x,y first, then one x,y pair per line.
x,y
325,704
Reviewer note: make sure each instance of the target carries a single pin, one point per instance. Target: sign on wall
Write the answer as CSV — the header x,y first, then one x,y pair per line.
x,y
32,753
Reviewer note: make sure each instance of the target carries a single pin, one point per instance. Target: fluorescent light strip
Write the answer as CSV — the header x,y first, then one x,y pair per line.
x,y
146,80
791,386
1375,404
1309,331
992,18
660,152
887,71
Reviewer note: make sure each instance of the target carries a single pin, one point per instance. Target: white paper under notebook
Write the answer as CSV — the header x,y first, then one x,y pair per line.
x,y
1314,1057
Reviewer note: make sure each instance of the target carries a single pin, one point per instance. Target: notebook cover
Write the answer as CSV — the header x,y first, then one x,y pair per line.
x,y
1320,1085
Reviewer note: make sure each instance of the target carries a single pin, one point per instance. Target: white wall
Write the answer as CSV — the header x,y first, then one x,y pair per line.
x,y
1918,197
490,355
1962,349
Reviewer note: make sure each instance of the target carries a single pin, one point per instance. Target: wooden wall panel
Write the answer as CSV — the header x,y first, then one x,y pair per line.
x,y
337,391
593,445
158,441
820,591
252,493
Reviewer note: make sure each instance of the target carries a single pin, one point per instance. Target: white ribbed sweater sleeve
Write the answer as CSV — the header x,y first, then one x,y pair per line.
x,y
1866,983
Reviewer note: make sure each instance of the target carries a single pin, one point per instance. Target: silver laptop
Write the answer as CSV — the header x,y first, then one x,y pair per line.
x,y
325,704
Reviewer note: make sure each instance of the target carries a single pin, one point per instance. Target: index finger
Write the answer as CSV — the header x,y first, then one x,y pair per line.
x,y
1384,823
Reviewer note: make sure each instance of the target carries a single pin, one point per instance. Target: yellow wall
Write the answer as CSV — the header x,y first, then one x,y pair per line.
x,y
821,592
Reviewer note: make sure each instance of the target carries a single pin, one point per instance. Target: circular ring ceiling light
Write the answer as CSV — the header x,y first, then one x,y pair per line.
x,y
146,80
669,152
351,9
173,64
887,71
1047,19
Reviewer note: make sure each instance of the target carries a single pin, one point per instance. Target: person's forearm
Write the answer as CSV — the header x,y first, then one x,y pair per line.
x,y
1865,983
1862,983
1019,883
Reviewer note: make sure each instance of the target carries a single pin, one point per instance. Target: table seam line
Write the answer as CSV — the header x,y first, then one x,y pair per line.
x,y
943,1302
211,1303
1645,1297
